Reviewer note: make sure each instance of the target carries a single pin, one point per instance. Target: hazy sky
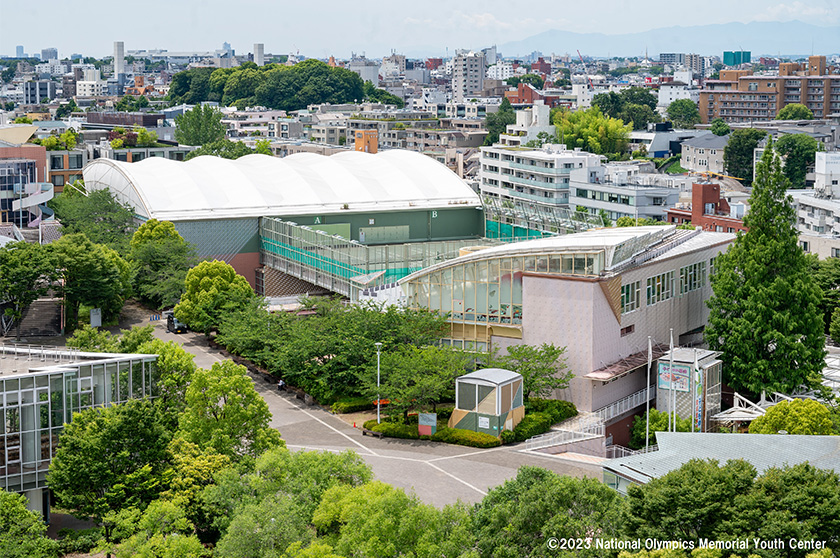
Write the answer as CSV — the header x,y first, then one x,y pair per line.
x,y
321,28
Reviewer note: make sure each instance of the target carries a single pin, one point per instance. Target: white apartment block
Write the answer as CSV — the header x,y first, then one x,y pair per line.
x,y
500,71
818,210
530,122
538,175
675,90
467,75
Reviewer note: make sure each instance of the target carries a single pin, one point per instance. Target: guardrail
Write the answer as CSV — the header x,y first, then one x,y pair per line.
x,y
616,451
560,437
627,404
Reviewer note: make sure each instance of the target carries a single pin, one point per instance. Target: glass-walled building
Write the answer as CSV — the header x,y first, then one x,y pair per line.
x,y
40,389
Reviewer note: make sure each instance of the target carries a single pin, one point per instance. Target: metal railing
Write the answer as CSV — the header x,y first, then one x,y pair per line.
x,y
627,404
560,437
615,451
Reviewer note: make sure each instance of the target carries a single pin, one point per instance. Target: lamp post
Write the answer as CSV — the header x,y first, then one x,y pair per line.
x,y
378,350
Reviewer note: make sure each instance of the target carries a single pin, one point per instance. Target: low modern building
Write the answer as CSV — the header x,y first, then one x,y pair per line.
x,y
704,153
42,388
599,293
709,210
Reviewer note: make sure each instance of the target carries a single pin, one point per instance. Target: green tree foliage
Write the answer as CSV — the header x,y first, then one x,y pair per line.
x,y
764,311
416,378
199,126
191,87
329,353
827,275
23,120
516,518
163,531
211,290
109,459
263,147
639,96
22,532
376,519
225,412
683,113
306,83
25,273
795,111
634,105
798,151
800,416
610,103
719,127
96,340
530,79
241,85
543,368
658,423
129,103
638,115
738,153
98,215
702,499
376,95
592,131
627,221
160,258
497,122
264,529
224,148
92,274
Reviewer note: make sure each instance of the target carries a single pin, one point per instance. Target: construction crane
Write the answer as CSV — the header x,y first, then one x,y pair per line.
x,y
584,69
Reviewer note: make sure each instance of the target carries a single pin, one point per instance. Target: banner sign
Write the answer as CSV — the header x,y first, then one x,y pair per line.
x,y
678,376
427,424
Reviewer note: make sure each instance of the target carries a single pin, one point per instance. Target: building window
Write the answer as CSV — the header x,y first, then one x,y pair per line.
x,y
628,330
692,277
835,252
660,288
75,161
57,162
630,296
58,180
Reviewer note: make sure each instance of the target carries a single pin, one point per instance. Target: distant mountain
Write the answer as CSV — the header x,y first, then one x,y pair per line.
x,y
772,38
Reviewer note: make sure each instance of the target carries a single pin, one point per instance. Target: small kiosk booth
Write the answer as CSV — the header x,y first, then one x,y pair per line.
x,y
488,400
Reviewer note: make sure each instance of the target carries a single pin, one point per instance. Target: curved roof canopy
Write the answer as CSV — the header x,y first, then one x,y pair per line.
x,y
302,184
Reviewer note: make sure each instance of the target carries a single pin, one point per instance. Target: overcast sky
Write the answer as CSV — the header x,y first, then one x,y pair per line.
x,y
321,28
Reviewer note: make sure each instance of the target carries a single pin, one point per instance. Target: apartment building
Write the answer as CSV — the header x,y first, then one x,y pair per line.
x,y
704,153
740,96
818,210
530,123
467,75
533,175
709,210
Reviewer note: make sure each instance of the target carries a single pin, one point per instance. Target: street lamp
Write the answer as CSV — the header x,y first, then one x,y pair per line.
x,y
378,350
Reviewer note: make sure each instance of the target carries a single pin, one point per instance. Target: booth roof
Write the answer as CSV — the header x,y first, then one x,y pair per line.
x,y
496,376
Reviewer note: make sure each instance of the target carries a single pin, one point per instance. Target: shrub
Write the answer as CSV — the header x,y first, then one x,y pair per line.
x,y
444,414
352,405
466,438
72,541
557,409
508,437
532,425
394,429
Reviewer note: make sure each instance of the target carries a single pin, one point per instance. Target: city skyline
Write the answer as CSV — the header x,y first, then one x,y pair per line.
x,y
335,30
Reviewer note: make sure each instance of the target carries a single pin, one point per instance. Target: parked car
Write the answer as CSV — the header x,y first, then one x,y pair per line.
x,y
173,324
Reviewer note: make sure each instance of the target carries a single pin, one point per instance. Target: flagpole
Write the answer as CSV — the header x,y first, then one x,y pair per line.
x,y
673,394
692,388
647,396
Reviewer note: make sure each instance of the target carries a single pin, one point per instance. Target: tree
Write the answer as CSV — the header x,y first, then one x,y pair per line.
x,y
764,311
683,113
224,148
542,368
23,533
800,416
639,96
225,412
416,378
638,115
592,132
162,531
211,290
738,153
497,122
91,274
109,459
199,126
795,111
308,82
160,258
798,153
264,529
610,103
516,518
719,127
98,215
530,79
25,274
263,147
658,423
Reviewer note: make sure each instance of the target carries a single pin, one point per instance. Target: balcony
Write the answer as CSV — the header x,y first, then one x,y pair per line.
x,y
538,183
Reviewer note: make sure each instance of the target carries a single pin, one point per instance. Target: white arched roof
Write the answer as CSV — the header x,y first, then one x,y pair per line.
x,y
259,185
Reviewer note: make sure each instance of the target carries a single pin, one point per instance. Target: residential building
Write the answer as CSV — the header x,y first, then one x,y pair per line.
x,y
530,123
48,54
626,189
65,167
467,75
333,132
119,58
37,91
602,294
739,96
672,58
659,140
125,119
259,54
736,58
500,71
19,51
527,94
536,175
704,153
675,90
709,210
397,60
696,63
368,70
288,128
253,121
541,67
818,210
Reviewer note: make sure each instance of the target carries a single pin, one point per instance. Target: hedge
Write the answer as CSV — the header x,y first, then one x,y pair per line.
x,y
540,416
558,410
352,405
444,434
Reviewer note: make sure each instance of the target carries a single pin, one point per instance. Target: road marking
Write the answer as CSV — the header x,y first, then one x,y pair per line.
x,y
465,483
466,454
370,451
